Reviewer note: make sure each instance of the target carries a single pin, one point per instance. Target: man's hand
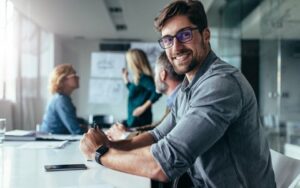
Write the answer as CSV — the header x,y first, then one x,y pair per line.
x,y
91,141
116,131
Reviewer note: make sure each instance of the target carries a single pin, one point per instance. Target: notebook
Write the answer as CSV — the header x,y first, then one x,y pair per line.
x,y
20,135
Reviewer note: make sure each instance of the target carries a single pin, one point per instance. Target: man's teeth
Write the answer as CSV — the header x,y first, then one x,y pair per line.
x,y
181,56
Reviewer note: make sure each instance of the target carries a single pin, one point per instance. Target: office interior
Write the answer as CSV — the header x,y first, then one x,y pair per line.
x,y
260,37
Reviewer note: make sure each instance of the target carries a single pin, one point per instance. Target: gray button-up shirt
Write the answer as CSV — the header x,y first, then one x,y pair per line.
x,y
213,132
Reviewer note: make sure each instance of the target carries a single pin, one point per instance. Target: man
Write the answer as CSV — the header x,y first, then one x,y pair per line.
x,y
213,132
167,82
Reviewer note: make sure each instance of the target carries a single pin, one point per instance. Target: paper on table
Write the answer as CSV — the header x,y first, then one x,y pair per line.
x,y
44,145
17,132
59,137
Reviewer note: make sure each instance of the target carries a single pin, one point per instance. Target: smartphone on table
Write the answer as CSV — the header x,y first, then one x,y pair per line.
x,y
65,167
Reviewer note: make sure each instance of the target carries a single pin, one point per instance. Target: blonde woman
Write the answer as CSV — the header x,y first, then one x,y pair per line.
x,y
60,116
141,91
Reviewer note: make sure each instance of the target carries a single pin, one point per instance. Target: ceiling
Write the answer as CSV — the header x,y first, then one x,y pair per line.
x,y
91,19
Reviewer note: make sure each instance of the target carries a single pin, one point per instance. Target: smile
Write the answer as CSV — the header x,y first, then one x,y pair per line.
x,y
181,56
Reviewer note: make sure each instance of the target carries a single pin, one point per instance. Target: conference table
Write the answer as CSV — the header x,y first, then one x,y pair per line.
x,y
22,166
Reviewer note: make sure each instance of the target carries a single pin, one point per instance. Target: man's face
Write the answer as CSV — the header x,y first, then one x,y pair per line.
x,y
160,85
185,57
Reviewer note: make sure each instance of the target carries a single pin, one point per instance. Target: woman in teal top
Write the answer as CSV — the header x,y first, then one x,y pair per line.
x,y
141,91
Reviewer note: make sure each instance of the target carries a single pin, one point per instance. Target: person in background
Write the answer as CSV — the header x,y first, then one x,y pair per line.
x,y
213,131
167,82
60,116
141,91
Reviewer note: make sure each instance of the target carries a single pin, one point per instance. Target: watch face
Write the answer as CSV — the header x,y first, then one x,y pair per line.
x,y
100,152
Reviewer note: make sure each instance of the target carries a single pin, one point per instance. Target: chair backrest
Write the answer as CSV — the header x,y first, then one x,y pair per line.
x,y
105,121
82,121
286,169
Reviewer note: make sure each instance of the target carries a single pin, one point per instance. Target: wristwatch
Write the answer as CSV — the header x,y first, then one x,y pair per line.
x,y
100,152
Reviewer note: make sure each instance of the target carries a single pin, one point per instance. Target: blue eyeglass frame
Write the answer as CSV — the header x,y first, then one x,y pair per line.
x,y
178,36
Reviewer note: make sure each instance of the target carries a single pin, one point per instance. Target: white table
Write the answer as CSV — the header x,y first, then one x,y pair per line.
x,y
24,168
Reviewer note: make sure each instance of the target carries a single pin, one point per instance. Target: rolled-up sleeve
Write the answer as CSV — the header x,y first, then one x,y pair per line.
x,y
204,118
163,128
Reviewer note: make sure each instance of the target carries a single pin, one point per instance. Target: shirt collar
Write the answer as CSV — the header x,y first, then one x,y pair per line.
x,y
171,98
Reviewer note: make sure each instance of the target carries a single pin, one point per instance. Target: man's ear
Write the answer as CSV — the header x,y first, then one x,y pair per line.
x,y
163,75
206,35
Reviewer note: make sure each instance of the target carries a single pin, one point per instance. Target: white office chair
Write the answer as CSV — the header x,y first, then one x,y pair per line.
x,y
286,169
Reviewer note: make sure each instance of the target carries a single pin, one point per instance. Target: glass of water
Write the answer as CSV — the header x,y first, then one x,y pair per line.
x,y
2,129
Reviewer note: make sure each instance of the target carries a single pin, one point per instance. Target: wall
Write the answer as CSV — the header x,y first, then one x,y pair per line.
x,y
290,102
250,63
78,52
290,97
57,50
6,111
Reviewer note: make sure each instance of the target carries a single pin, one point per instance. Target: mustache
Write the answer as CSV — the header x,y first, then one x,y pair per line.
x,y
180,52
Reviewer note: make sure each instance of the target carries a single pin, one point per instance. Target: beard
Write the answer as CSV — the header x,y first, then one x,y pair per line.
x,y
181,69
193,64
161,87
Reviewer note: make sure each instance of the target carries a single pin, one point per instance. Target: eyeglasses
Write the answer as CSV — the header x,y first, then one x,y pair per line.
x,y
183,36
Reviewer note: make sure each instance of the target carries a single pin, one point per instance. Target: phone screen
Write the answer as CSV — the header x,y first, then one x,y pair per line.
x,y
63,167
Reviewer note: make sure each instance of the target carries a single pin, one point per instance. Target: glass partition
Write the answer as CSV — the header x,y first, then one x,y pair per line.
x,y
279,70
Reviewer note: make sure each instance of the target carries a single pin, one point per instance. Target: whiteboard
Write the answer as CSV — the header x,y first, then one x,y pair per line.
x,y
152,50
106,91
107,64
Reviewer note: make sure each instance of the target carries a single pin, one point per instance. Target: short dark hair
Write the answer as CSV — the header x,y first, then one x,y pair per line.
x,y
193,9
164,62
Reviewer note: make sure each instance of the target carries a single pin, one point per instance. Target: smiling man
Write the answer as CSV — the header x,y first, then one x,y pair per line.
x,y
213,131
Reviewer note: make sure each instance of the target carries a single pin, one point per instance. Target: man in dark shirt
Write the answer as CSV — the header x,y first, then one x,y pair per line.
x,y
213,131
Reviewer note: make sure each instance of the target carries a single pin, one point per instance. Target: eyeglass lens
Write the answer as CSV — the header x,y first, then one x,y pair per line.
x,y
182,36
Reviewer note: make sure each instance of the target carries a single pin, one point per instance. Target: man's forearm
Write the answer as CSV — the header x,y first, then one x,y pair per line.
x,y
139,141
133,156
137,161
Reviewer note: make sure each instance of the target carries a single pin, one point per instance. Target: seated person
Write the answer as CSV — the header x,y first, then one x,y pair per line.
x,y
213,131
167,82
60,116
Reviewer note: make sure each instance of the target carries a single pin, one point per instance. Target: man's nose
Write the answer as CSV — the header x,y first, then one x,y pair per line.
x,y
176,45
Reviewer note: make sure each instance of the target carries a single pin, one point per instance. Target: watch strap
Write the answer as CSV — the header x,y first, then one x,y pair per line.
x,y
100,152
